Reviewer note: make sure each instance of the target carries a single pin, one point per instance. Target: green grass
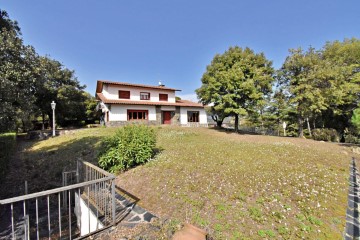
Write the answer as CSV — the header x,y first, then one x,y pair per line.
x,y
234,186
7,146
253,185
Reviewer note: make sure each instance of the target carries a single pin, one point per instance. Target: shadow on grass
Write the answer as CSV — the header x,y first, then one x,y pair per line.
x,y
231,131
348,144
42,168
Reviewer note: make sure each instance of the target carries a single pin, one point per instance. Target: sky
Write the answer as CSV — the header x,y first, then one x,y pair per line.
x,y
173,41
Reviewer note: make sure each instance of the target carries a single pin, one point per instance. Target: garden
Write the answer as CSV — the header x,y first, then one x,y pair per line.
x,y
235,186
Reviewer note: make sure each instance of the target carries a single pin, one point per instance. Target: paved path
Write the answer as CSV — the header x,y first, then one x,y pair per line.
x,y
128,213
352,212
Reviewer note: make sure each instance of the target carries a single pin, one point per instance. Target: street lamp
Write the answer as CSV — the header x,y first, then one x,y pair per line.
x,y
53,105
284,127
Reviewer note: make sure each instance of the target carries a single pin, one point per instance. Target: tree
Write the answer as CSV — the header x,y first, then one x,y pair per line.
x,y
91,108
59,84
217,116
29,82
235,82
17,75
355,119
277,110
343,92
299,76
7,24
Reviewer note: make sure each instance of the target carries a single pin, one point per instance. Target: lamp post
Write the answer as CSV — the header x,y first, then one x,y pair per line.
x,y
284,127
53,105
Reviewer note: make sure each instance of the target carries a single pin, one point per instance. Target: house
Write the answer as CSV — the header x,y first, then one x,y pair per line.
x,y
123,103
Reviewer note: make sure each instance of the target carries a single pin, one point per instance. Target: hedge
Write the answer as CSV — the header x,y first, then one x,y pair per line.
x,y
7,146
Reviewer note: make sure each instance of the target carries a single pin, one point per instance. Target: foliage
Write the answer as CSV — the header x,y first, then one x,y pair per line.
x,y
59,84
325,134
30,82
299,78
7,145
350,136
236,82
91,112
17,74
217,116
130,146
355,119
323,85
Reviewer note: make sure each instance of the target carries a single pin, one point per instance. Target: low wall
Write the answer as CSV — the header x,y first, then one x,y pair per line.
x,y
87,221
151,123
195,124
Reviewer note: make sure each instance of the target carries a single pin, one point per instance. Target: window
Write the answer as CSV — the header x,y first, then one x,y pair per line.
x,y
193,116
144,96
124,94
134,115
163,97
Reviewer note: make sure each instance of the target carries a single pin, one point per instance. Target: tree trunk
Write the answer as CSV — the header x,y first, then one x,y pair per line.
x,y
236,122
278,129
23,124
43,121
308,126
217,120
300,123
314,125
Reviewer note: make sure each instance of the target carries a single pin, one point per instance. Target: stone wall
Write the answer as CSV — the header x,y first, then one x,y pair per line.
x,y
123,123
158,115
195,124
175,120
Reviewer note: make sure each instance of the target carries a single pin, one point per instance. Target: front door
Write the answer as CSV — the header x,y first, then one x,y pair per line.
x,y
166,117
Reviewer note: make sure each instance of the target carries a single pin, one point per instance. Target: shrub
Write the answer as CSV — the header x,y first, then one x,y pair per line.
x,y
131,145
350,136
325,134
7,146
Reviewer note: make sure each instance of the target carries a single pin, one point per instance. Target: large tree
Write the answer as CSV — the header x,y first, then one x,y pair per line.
x,y
342,65
17,75
29,82
236,82
59,84
324,85
300,75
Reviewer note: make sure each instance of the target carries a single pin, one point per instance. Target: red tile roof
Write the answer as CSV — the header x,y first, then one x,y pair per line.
x,y
180,103
100,83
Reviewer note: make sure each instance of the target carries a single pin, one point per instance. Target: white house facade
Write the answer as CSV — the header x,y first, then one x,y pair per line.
x,y
123,103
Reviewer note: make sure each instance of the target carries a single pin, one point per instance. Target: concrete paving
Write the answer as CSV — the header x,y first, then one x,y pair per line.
x,y
352,230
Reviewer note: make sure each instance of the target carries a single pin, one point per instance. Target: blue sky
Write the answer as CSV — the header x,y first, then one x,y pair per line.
x,y
174,40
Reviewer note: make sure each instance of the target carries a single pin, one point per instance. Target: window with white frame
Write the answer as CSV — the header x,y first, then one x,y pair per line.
x,y
144,96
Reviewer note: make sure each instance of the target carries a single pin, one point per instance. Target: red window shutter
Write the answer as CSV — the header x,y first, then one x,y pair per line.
x,y
124,94
163,97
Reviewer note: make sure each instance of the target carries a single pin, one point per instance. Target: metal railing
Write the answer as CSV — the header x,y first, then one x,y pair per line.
x,y
101,196
43,215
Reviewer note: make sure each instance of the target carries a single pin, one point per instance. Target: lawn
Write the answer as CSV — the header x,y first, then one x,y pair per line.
x,y
243,186
234,186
